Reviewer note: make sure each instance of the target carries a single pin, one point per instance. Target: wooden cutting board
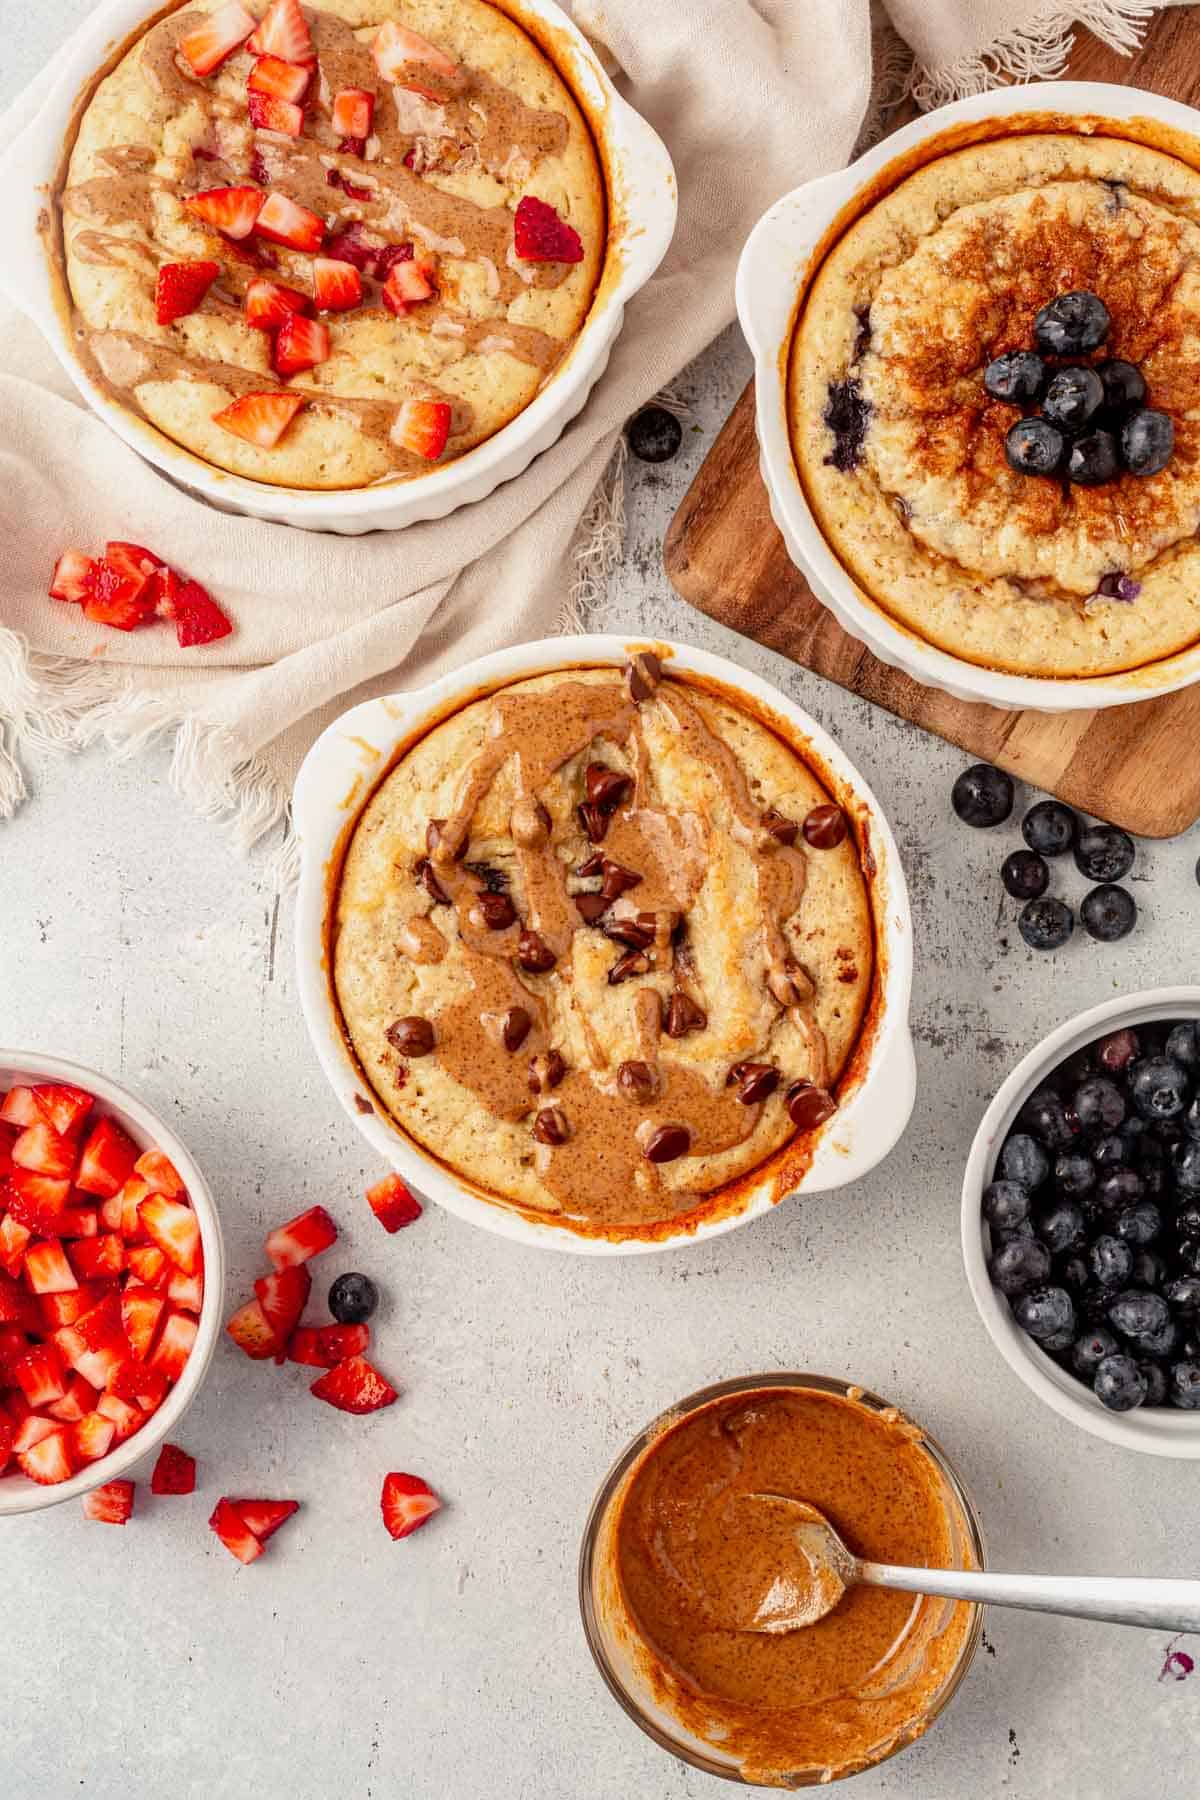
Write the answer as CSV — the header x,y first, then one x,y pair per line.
x,y
1132,765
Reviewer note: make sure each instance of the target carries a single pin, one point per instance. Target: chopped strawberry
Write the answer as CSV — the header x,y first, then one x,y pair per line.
x,y
111,1504
13,1345
278,79
107,1162
125,1417
337,178
40,1375
393,1204
355,1387
408,284
269,303
101,1331
325,1346
47,1270
300,344
20,1107
400,54
198,618
14,1241
540,235
79,1400
234,1532
302,1237
62,1107
164,588
33,1429
186,1291
175,1228
50,1460
423,427
68,1307
251,1331
284,33
80,1221
72,574
181,287
141,1310
353,245
406,1503
139,1384
40,1148
129,1218
264,1517
170,1354
38,1201
230,210
95,1258
18,1306
353,112
269,114
387,258
118,595
285,222
261,419
217,36
159,1173
92,1437
147,1264
283,1297
7,1433
337,286
174,1472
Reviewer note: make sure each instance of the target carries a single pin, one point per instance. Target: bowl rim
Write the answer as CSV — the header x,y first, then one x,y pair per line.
x,y
1156,1431
17,1493
777,256
325,815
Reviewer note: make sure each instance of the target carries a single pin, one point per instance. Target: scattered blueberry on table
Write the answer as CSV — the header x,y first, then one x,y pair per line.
x,y
654,434
983,796
353,1298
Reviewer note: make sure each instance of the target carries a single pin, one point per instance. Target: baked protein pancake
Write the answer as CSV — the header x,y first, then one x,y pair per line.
x,y
901,449
355,308
602,944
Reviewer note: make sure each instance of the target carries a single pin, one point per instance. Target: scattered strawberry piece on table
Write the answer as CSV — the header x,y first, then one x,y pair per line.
x,y
325,1346
198,618
406,1502
301,1238
174,1472
354,1386
393,1204
72,578
112,1504
540,235
234,1522
251,1331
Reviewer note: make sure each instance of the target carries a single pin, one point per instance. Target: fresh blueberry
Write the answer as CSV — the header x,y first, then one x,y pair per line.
x,y
1116,1051
1046,924
1060,1227
1147,440
654,434
1156,1383
1184,1294
1071,322
352,1299
1104,853
1098,1103
1182,1044
1110,1152
1187,1221
1185,1385
1191,1119
1020,1263
1185,1160
1034,447
1049,827
1093,459
1016,376
1025,875
1044,1312
1161,1342
1108,913
1111,1260
1149,1269
1023,1159
1073,397
1124,386
982,795
1005,1205
1073,1273
1158,1087
1187,1256
1074,1174
1058,1341
1091,1349
1137,1315
1119,1384
1138,1224
1118,1188
1046,1117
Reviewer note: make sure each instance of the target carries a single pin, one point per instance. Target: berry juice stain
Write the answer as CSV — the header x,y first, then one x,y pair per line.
x,y
846,415
1177,1664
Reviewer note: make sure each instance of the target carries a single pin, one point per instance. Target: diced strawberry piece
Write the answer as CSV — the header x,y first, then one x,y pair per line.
x,y
408,284
94,1258
63,1108
251,1331
181,287
355,1387
69,1307
141,1310
15,1239
198,618
175,1228
111,1504
7,1433
50,1460
18,1306
47,1270
80,1221
300,344
186,1291
264,1517
406,1503
422,426
20,1107
283,1297
217,36
285,222
33,1429
174,1472
325,1346
92,1437
174,1347
261,419
392,1203
103,1329
540,235
353,112
133,561
40,1375
129,1221
126,1418
304,1236
72,573
268,114
79,1400
159,1173
234,1532
38,1201
107,1162
278,79
139,1384
354,246
336,285
117,599
148,1264
269,303
229,210
40,1148
284,33
13,1345
400,54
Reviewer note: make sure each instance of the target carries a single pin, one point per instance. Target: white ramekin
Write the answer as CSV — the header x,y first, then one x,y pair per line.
x,y
24,1068
780,257
344,767
642,205
1158,1430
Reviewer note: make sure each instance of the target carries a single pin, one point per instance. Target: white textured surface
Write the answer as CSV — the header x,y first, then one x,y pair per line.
x,y
146,1663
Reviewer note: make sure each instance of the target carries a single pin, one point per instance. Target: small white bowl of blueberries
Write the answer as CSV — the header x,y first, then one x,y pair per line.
x,y
1081,1221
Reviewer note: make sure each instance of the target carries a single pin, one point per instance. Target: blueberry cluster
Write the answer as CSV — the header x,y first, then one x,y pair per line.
x,y
1094,1217
1092,423
983,796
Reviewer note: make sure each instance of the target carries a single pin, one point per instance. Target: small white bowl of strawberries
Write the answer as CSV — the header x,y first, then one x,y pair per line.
x,y
111,1281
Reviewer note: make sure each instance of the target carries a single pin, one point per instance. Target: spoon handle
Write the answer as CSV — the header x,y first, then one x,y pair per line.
x,y
1121,1599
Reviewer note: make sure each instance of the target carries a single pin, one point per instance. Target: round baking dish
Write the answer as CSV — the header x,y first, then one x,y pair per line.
x,y
26,1067
615,1654
641,205
784,251
877,1088
1157,1430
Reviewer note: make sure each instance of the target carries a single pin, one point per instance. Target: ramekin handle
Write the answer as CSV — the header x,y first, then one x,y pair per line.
x,y
868,1129
647,170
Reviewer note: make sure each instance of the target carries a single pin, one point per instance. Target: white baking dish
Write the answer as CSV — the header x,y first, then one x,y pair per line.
x,y
780,255
642,207
339,775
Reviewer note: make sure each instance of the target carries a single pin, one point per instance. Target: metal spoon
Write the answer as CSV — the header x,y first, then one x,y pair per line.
x,y
811,1582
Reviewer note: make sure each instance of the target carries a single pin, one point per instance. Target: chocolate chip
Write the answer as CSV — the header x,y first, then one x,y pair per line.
x,y
429,881
593,822
755,1081
493,879
606,787
617,880
636,1080
591,865
545,1071
435,841
412,1036
630,931
683,1015
591,907
529,823
496,910
809,1106
534,954
783,830
514,1027
550,1126
642,675
634,962
668,1142
825,827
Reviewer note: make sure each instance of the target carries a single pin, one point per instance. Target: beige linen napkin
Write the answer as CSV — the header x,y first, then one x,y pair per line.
x,y
751,98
